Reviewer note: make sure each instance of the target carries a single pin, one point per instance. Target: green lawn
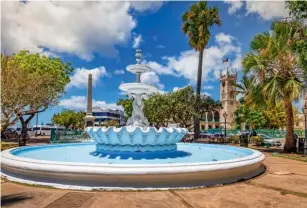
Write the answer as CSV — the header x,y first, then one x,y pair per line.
x,y
291,156
8,145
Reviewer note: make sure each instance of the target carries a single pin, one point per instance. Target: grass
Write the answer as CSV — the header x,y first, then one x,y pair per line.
x,y
8,145
291,156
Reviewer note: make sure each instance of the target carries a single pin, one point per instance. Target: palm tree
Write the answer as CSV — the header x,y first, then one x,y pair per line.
x,y
283,79
197,23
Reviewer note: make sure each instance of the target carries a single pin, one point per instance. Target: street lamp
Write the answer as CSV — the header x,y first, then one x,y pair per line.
x,y
305,115
225,118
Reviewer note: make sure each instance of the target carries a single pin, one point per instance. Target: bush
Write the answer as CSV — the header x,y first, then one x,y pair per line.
x,y
256,140
235,139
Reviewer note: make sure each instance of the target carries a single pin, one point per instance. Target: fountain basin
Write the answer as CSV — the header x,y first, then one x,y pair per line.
x,y
132,138
138,68
138,88
77,166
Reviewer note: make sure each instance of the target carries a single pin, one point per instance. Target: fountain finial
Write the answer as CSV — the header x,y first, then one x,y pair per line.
x,y
138,56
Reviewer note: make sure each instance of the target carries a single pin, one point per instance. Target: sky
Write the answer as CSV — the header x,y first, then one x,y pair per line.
x,y
101,38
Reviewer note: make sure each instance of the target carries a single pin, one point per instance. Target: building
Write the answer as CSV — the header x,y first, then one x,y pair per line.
x,y
215,119
102,115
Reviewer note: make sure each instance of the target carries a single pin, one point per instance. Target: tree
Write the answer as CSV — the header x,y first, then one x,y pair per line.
x,y
256,119
158,109
283,80
69,118
298,9
127,105
275,116
182,104
41,81
111,123
197,23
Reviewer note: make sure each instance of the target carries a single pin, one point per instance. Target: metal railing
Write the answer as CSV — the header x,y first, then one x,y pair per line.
x,y
65,136
275,133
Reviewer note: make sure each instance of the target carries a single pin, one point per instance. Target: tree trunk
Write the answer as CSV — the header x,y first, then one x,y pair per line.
x,y
24,131
289,143
198,88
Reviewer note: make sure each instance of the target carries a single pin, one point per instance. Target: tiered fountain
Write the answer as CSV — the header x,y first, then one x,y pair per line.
x,y
136,156
137,136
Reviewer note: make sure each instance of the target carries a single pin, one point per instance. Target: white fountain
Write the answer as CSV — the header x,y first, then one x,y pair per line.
x,y
137,135
138,91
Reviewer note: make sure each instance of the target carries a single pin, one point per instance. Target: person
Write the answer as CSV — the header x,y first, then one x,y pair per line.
x,y
254,133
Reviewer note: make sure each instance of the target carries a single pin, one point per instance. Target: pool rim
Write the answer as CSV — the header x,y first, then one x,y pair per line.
x,y
8,159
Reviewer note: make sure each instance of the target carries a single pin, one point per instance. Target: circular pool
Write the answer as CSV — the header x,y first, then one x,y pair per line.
x,y
80,166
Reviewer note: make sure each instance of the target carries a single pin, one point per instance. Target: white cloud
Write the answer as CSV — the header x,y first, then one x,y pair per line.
x,y
142,6
80,102
119,72
178,88
80,28
223,38
137,41
151,78
80,77
186,64
267,10
234,5
207,87
160,46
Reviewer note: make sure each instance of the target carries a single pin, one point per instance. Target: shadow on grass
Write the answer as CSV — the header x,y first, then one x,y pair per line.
x,y
13,198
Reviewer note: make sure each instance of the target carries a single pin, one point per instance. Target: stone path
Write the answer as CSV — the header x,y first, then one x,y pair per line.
x,y
283,185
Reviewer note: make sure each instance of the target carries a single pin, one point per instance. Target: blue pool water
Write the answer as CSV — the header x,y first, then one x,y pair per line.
x,y
85,153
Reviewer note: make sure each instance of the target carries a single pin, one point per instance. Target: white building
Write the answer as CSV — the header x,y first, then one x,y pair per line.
x,y
102,115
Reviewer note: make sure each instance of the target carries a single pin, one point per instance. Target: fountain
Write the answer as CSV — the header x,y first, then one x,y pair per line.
x,y
135,156
137,135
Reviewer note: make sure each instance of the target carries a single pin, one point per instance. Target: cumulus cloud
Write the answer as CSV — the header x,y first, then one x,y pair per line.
x,y
267,10
80,28
234,5
223,38
137,41
80,77
186,64
143,6
119,72
151,78
80,102
178,88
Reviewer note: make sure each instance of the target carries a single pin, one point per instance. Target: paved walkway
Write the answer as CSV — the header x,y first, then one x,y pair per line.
x,y
283,185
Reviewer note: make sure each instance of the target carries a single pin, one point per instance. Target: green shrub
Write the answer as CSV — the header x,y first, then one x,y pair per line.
x,y
256,140
235,139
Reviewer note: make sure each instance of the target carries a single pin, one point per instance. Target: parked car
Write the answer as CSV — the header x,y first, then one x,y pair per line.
x,y
9,133
271,141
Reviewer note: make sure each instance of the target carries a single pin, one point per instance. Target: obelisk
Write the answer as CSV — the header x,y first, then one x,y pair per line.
x,y
89,119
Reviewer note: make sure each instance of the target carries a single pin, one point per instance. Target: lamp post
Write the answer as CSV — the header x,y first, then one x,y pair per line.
x,y
225,118
305,121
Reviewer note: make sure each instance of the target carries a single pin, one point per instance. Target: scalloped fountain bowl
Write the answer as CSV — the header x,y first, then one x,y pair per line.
x,y
136,139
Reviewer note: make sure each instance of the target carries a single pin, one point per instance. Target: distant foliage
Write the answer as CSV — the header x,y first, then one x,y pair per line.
x,y
111,123
69,118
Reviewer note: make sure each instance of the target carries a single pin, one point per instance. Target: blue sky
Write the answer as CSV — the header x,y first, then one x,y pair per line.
x,y
102,37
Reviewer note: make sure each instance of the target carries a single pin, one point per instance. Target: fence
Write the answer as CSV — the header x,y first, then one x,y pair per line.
x,y
275,133
65,136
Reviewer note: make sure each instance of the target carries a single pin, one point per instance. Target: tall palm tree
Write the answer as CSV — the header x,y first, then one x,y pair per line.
x,y
283,80
197,23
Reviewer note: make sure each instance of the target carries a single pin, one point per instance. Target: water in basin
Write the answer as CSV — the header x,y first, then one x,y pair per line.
x,y
85,153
